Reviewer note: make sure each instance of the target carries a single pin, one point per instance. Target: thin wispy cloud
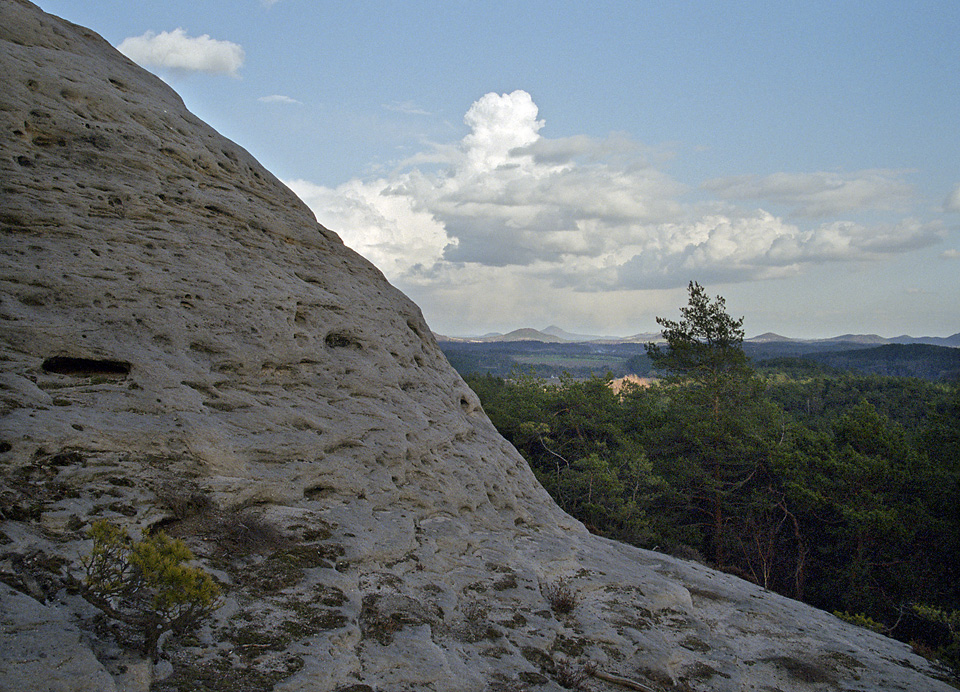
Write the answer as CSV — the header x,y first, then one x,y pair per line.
x,y
952,202
175,50
821,193
407,107
508,207
279,98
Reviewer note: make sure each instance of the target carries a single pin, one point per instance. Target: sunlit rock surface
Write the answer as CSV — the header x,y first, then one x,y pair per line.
x,y
183,346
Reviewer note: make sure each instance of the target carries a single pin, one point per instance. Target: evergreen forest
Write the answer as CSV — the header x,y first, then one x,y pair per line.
x,y
840,489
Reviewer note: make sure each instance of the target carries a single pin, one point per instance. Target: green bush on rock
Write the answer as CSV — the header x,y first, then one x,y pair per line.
x,y
147,583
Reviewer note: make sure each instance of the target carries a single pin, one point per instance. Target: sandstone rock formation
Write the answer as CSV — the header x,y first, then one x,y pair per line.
x,y
183,346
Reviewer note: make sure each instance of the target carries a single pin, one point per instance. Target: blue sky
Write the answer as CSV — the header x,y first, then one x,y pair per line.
x,y
511,164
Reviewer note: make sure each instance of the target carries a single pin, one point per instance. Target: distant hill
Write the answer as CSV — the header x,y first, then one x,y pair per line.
x,y
548,353
527,334
876,340
554,334
568,336
769,337
858,339
950,341
899,360
550,335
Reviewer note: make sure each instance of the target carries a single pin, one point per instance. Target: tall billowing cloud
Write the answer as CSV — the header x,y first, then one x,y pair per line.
x,y
499,125
175,50
507,214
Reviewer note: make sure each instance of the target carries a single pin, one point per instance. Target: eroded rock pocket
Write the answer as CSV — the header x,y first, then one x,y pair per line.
x,y
86,367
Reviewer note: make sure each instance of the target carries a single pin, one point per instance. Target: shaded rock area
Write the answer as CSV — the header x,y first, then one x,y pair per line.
x,y
183,347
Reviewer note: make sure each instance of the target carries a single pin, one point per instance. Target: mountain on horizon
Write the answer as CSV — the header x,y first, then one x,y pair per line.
x,y
561,333
874,339
877,340
953,340
527,334
769,337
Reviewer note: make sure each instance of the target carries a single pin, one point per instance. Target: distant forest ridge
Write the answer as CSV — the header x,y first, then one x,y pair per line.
x,y
553,358
557,335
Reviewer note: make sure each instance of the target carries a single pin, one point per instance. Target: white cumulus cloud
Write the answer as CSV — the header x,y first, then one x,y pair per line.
x,y
506,216
499,124
390,230
175,50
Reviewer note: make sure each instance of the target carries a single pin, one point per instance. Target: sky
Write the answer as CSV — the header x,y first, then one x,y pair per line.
x,y
527,164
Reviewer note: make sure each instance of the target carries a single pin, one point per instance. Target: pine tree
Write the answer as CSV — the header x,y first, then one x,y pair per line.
x,y
718,403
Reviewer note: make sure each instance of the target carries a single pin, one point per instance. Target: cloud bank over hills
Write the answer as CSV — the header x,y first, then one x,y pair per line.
x,y
507,211
815,189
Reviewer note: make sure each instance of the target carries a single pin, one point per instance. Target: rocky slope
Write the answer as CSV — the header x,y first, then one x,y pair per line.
x,y
184,347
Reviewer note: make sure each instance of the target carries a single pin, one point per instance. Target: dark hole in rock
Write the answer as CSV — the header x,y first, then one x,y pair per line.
x,y
86,367
73,458
414,328
318,492
341,340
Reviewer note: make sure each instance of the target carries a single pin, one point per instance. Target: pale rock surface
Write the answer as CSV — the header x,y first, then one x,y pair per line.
x,y
219,349
40,649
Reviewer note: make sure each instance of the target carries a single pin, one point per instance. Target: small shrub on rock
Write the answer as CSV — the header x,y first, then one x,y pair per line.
x,y
184,501
571,677
247,533
146,583
861,620
562,597
474,611
947,651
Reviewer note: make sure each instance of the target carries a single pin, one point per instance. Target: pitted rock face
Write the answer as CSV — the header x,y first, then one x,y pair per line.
x,y
206,314
183,346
